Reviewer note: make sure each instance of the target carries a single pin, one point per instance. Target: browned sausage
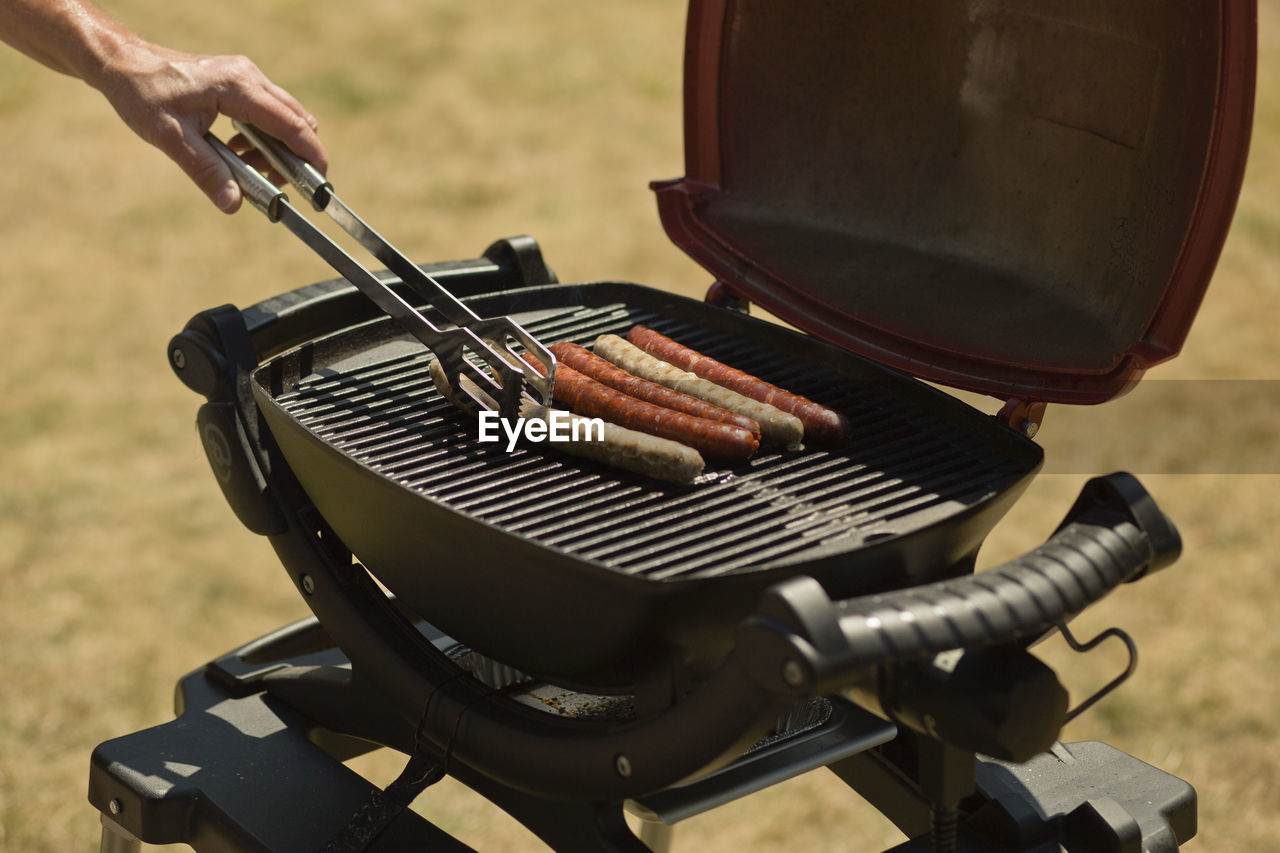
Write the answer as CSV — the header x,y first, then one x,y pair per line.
x,y
586,396
588,363
823,427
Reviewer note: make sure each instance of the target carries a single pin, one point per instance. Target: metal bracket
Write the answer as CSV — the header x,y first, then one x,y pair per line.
x,y
1111,685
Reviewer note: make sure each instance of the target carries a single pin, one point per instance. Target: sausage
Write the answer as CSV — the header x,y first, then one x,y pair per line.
x,y
631,450
586,396
776,426
823,427
659,458
589,364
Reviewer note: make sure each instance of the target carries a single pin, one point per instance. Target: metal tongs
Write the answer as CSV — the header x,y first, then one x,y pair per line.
x,y
479,349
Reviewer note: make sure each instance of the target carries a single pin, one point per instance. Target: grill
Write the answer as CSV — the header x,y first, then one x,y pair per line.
x,y
680,623
897,473
523,554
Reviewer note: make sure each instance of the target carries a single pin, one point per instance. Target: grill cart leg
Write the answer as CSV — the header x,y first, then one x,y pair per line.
x,y
1080,796
116,840
235,773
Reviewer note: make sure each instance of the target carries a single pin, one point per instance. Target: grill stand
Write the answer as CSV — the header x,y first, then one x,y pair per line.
x,y
255,738
241,770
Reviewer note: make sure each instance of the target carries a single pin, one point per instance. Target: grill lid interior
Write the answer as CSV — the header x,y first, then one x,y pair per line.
x,y
1022,198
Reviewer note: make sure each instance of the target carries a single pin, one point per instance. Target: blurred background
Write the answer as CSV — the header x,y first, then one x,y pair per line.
x,y
450,125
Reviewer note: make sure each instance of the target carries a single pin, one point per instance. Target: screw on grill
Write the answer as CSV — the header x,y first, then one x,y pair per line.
x,y
792,674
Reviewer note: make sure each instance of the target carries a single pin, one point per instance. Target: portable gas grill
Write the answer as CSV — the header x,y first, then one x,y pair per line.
x,y
1033,213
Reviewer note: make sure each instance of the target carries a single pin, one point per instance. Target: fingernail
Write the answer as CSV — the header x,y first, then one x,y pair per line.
x,y
227,196
311,120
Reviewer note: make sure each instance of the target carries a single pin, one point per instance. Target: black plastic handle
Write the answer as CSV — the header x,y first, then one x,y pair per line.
x,y
1113,534
1025,597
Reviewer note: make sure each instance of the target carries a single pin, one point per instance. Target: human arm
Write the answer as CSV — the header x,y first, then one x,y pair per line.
x,y
168,97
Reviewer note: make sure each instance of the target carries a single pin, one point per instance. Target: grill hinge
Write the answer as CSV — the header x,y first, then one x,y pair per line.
x,y
721,295
1025,416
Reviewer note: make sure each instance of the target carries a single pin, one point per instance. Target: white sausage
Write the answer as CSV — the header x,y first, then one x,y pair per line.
x,y
776,426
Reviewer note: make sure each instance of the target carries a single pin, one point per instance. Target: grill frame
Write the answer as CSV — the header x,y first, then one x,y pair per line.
x,y
577,621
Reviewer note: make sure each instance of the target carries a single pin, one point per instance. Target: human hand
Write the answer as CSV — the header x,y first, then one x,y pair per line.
x,y
171,99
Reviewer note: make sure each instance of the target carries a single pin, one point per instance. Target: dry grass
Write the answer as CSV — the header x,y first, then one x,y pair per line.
x,y
452,124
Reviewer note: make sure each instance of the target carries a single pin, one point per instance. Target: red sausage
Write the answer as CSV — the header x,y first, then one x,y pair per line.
x,y
589,364
586,396
823,427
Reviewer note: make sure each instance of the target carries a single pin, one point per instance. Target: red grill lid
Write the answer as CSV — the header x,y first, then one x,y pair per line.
x,y
1020,198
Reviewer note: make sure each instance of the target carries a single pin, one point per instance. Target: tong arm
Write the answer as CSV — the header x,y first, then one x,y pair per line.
x,y
461,351
319,191
258,191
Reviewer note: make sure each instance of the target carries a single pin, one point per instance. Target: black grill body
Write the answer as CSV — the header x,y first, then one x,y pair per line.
x,y
589,576
718,607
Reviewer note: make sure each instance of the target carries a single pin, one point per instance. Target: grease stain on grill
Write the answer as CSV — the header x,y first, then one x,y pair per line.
x,y
897,474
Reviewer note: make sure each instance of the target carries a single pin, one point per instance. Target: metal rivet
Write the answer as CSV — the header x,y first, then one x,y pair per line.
x,y
308,585
1030,428
179,358
792,674
623,765
115,807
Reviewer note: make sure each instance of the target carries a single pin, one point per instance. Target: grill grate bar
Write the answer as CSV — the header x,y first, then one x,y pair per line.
x,y
366,412
804,472
804,515
310,386
475,496
649,517
520,514
581,326
338,395
800,535
394,445
369,431
475,469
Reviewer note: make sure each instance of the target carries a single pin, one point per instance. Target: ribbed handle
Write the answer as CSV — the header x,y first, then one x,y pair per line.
x,y
1023,598
1114,533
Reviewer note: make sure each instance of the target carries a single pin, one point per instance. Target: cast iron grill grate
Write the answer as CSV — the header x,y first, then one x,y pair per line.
x,y
899,473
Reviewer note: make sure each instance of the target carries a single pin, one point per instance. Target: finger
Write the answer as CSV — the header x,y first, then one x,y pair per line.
x,y
205,168
291,102
261,107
